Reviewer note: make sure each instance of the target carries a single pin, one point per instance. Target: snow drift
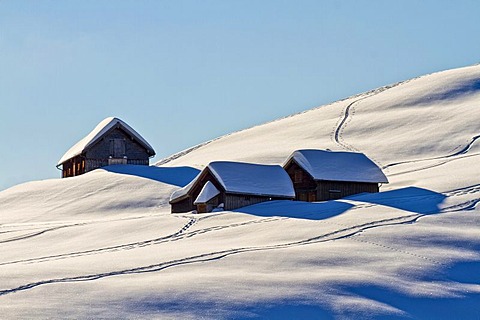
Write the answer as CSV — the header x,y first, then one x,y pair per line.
x,y
104,245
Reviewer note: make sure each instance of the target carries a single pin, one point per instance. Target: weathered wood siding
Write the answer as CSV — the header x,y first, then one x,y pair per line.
x,y
307,189
184,205
74,167
304,185
210,205
187,205
108,146
331,190
235,201
116,146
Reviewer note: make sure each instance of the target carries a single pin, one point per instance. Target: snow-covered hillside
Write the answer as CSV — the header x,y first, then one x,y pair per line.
x,y
104,245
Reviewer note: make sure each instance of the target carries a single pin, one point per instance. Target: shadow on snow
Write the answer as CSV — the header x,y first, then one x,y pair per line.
x,y
410,199
177,176
297,209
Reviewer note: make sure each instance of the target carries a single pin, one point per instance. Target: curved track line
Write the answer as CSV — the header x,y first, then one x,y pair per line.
x,y
441,163
338,131
211,256
179,235
464,150
340,127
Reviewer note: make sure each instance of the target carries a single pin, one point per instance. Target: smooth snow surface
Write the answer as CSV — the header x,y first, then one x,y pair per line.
x,y
253,179
207,193
104,245
338,166
96,134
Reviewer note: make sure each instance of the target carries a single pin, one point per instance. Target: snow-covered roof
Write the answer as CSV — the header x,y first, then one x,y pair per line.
x,y
254,179
209,191
102,128
338,166
246,178
182,192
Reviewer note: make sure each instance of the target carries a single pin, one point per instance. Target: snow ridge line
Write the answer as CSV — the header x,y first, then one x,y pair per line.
x,y
200,145
212,256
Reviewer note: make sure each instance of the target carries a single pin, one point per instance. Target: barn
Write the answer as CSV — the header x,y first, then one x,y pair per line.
x,y
231,185
320,175
111,142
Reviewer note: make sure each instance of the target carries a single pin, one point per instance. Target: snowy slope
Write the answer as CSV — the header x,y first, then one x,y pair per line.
x,y
104,245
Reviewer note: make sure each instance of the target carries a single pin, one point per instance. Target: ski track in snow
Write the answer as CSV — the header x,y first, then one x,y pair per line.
x,y
351,232
212,256
463,151
347,115
337,135
182,234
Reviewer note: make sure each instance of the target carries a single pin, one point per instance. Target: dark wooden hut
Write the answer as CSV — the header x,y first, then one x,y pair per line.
x,y
111,142
232,185
320,175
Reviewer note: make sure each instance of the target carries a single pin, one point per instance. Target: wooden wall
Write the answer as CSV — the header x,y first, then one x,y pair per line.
x,y
102,150
304,185
187,205
331,190
74,167
235,201
307,189
98,155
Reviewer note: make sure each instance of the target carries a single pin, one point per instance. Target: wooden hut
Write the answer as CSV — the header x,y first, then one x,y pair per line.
x,y
111,142
231,185
320,175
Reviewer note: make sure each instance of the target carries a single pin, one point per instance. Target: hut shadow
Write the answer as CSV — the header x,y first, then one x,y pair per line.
x,y
410,199
297,209
177,176
413,199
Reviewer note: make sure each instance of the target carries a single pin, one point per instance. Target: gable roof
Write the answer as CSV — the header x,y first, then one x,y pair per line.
x,y
95,135
254,179
246,178
209,191
338,166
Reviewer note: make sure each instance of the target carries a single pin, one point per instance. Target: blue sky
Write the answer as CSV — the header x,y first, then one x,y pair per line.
x,y
182,72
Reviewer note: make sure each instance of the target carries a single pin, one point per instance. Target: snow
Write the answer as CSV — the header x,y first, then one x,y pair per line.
x,y
338,166
246,178
103,127
253,179
106,242
182,192
207,193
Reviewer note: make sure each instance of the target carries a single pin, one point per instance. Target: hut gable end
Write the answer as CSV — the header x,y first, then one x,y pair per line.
x,y
108,146
238,185
111,142
320,175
